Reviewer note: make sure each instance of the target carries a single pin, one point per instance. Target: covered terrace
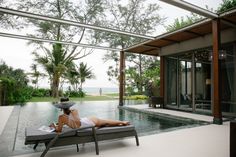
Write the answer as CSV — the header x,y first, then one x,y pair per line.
x,y
214,30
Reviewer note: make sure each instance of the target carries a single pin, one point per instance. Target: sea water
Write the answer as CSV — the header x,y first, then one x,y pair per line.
x,y
96,90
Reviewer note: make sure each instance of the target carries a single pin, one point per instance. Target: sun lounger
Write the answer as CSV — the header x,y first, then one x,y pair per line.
x,y
77,136
67,137
116,132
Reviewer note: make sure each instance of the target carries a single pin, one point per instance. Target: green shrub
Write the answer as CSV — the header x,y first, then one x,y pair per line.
x,y
137,97
41,92
14,85
7,87
13,93
23,94
79,94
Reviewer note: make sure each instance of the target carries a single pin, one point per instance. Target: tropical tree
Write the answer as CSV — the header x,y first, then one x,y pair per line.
x,y
85,72
226,5
113,70
35,74
137,16
56,60
73,78
55,64
188,20
77,75
14,85
138,75
152,73
4,69
183,21
8,21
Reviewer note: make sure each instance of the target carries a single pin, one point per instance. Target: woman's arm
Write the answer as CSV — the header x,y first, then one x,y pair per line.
x,y
58,128
60,123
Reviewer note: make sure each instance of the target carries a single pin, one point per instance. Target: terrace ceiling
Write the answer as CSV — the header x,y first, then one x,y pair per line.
x,y
198,29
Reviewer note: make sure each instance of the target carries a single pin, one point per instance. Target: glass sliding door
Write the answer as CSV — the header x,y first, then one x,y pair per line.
x,y
185,81
203,81
171,75
189,82
227,77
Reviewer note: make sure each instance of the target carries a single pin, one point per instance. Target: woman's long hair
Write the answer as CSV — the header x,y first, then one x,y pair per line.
x,y
67,111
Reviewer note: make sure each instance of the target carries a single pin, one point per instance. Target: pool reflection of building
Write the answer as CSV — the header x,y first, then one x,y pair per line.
x,y
198,66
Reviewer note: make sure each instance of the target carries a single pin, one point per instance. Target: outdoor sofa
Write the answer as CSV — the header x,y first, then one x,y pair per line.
x,y
77,136
155,102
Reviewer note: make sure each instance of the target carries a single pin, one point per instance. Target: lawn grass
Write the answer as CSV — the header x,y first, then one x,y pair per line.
x,y
86,98
112,94
92,98
43,99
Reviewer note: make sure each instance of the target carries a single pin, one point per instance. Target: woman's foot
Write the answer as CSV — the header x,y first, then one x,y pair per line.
x,y
126,123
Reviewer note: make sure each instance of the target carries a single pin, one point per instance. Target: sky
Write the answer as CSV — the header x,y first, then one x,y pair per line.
x,y
16,53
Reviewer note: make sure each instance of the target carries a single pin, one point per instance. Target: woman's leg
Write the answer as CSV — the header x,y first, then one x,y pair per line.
x,y
107,122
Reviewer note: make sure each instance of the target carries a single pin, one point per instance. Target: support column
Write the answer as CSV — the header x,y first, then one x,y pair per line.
x,y
162,80
216,69
1,95
233,107
162,76
193,83
122,76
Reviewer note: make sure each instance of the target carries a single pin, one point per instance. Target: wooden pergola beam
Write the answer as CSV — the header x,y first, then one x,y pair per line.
x,y
170,40
229,23
190,32
151,46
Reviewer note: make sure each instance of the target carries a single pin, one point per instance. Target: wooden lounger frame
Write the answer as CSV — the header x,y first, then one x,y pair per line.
x,y
94,135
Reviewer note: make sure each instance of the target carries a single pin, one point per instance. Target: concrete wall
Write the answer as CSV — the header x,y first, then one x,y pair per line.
x,y
228,35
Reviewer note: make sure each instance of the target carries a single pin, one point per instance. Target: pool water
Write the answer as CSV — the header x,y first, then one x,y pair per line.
x,y
38,114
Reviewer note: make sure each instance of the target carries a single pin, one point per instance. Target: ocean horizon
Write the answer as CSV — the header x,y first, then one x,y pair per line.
x,y
96,90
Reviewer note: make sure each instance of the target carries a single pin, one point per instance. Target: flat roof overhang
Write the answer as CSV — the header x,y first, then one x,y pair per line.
x,y
198,29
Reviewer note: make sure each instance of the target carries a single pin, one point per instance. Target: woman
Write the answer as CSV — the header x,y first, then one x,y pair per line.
x,y
71,118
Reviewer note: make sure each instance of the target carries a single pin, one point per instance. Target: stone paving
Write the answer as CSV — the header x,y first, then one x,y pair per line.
x,y
5,112
148,109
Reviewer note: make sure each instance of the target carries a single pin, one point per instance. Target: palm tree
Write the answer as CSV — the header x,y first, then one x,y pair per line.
x,y
85,73
57,61
35,74
55,64
73,78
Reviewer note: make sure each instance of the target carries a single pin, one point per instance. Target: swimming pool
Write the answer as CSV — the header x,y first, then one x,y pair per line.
x,y
38,114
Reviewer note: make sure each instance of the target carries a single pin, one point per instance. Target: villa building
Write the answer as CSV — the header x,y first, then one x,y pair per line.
x,y
198,66
197,62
